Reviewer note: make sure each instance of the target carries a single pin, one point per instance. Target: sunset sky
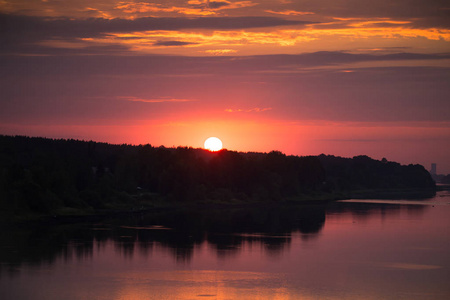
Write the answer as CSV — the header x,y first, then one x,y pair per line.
x,y
341,77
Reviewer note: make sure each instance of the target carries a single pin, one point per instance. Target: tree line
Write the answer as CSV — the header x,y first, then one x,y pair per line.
x,y
49,175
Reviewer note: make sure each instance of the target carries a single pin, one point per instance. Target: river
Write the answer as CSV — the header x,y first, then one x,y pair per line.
x,y
353,249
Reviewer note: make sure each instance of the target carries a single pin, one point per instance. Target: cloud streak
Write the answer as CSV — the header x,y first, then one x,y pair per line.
x,y
290,12
173,43
155,100
63,27
256,109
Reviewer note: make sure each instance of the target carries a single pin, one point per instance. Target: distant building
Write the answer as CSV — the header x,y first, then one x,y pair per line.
x,y
433,169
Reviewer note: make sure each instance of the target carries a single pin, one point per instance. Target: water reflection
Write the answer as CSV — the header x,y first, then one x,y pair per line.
x,y
180,232
365,210
340,250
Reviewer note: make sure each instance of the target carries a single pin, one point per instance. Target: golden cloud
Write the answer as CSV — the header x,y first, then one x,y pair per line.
x,y
98,13
202,8
144,7
220,51
222,42
217,38
239,4
382,32
290,12
221,4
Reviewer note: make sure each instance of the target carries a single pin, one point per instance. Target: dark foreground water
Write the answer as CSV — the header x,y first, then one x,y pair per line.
x,y
372,249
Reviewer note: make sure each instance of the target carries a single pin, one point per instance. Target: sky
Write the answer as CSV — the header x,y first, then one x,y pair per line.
x,y
339,77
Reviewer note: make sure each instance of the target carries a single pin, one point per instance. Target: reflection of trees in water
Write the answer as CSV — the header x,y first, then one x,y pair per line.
x,y
41,245
363,211
226,230
270,228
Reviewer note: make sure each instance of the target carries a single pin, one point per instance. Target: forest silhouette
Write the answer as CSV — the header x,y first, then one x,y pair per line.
x,y
70,177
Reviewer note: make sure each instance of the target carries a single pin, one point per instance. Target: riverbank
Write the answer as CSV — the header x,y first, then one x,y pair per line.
x,y
43,177
144,203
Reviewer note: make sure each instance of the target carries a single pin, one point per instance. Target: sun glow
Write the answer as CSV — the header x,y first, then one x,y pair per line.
x,y
213,144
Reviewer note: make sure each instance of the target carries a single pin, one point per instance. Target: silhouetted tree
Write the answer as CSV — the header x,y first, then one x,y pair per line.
x,y
45,175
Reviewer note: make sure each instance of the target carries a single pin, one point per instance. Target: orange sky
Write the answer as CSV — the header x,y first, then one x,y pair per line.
x,y
342,77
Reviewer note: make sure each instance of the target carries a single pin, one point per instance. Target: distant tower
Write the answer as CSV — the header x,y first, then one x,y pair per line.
x,y
433,169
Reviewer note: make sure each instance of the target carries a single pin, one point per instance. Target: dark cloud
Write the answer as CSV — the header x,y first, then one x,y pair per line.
x,y
419,23
436,22
13,25
380,8
211,5
421,13
324,58
18,32
172,43
28,48
217,4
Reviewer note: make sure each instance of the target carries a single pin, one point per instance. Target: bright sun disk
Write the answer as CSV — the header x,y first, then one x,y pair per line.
x,y
213,144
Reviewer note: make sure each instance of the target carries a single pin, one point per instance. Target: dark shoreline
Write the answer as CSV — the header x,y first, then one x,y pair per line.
x,y
44,178
205,206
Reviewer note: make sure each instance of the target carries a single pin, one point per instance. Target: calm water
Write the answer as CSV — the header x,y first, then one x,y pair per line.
x,y
373,249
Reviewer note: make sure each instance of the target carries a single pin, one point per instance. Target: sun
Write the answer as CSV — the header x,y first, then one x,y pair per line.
x,y
213,144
